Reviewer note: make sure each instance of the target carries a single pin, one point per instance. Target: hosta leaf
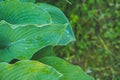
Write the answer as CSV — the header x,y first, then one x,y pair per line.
x,y
56,14
23,42
29,29
70,72
48,51
27,0
28,70
21,0
16,12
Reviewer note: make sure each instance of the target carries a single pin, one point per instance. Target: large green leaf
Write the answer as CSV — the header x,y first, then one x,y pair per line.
x,y
23,42
26,28
22,0
56,14
27,0
16,12
28,70
70,72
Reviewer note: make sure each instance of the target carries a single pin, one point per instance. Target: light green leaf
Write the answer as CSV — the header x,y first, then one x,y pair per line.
x,y
16,12
23,42
25,28
70,72
21,0
56,14
27,0
28,70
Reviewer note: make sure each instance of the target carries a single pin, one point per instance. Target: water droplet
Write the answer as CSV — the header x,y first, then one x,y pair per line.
x,y
26,48
67,31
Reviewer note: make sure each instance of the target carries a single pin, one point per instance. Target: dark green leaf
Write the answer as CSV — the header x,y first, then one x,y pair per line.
x,y
47,51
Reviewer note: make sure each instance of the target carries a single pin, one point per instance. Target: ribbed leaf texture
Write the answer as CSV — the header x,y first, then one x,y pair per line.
x,y
26,28
70,72
33,1
28,70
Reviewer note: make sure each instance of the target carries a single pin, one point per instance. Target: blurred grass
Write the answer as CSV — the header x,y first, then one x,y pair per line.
x,y
96,25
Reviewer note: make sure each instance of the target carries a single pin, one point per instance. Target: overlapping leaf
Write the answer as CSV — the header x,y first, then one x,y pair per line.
x,y
48,51
16,12
56,14
23,42
28,29
70,72
27,0
23,0
25,28
28,70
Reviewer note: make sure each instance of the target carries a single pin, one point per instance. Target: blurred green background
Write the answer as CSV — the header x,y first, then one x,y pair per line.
x,y
96,24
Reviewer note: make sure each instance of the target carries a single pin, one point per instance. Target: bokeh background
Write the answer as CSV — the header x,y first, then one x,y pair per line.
x,y
96,24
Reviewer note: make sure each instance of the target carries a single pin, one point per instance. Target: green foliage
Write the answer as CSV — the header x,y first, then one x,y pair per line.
x,y
22,39
19,30
70,72
27,28
27,0
23,0
48,51
96,24
27,70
